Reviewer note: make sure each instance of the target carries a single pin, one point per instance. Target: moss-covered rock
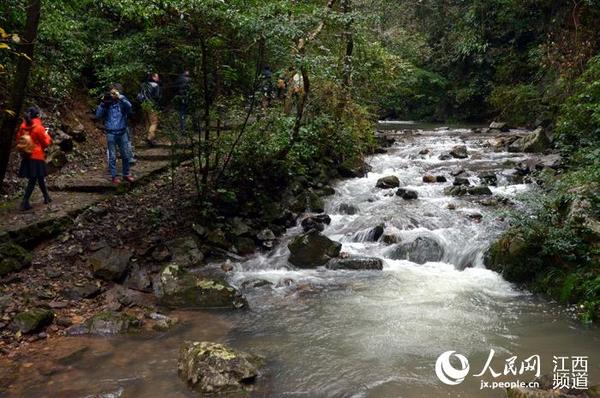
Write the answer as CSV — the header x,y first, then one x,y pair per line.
x,y
32,321
175,287
312,250
212,368
13,258
516,259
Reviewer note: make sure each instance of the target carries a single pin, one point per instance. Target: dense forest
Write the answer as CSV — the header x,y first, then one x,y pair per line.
x,y
286,93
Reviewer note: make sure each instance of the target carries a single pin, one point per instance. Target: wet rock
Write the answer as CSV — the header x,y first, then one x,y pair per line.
x,y
488,178
355,263
445,156
459,152
185,251
266,237
312,249
407,194
354,169
463,190
388,182
32,321
13,258
316,222
536,141
440,179
375,233
212,368
326,191
162,323
245,246
504,127
457,172
256,283
429,179
420,251
111,323
451,206
175,287
461,181
315,202
348,209
110,264
425,151
479,190
391,236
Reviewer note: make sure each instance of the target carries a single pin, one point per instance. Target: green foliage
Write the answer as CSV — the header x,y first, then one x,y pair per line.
x,y
516,103
579,122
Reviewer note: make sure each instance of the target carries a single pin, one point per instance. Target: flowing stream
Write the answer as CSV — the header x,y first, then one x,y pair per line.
x,y
367,333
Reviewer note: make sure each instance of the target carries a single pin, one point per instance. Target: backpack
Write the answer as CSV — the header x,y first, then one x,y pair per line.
x,y
145,92
25,144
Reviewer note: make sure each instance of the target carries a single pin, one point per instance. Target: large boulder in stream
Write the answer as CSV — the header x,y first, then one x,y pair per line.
x,y
211,368
420,251
356,264
536,141
388,182
459,152
312,249
176,287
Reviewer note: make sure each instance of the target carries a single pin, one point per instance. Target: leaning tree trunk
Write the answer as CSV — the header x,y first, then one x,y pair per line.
x,y
10,120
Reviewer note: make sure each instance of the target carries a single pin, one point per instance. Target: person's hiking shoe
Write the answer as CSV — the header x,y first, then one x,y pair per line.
x,y
47,200
116,180
25,207
129,179
132,161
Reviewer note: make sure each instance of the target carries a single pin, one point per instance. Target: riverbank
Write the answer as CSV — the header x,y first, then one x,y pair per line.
x,y
328,308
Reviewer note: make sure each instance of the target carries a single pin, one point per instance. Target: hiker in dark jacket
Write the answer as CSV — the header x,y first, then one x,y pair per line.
x,y
32,141
149,96
183,85
115,110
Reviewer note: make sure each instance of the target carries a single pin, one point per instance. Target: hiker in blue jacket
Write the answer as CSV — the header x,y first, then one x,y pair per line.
x,y
115,109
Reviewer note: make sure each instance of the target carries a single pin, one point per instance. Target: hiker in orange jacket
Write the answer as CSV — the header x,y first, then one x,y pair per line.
x,y
32,140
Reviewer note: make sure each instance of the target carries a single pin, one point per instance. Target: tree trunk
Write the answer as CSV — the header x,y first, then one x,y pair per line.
x,y
349,39
9,121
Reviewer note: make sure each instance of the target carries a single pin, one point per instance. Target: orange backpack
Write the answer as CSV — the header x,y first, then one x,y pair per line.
x,y
25,144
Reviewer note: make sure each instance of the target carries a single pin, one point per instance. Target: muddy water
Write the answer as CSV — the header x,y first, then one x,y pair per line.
x,y
359,334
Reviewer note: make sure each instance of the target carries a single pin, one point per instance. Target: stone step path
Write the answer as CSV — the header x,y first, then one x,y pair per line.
x,y
74,194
